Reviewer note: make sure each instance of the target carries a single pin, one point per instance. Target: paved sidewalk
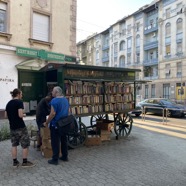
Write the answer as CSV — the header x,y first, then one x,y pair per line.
x,y
145,158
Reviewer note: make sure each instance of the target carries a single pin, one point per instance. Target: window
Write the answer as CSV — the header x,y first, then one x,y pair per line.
x,y
153,91
168,29
137,27
116,49
146,91
179,25
3,17
168,50
168,13
129,43
41,27
179,48
122,61
167,70
128,29
138,57
151,22
138,41
179,69
122,45
151,55
97,54
166,91
129,58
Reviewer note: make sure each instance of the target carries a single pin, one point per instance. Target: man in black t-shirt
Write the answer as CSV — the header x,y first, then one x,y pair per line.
x,y
18,130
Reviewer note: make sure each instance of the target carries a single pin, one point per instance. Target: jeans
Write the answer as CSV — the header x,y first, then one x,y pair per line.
x,y
58,141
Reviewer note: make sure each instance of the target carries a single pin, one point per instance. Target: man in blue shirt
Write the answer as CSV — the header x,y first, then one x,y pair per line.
x,y
59,109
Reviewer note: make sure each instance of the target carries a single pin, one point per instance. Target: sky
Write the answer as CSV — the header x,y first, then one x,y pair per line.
x,y
97,15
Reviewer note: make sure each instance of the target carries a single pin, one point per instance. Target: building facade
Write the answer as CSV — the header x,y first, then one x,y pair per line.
x,y
151,39
32,34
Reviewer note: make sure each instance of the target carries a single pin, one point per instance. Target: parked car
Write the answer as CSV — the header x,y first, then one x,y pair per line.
x,y
137,111
157,105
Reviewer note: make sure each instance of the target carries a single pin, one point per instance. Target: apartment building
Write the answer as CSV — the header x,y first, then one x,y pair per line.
x,y
151,39
32,34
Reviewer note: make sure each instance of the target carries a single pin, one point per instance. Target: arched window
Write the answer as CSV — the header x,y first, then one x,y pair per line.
x,y
122,46
122,61
138,41
168,29
179,25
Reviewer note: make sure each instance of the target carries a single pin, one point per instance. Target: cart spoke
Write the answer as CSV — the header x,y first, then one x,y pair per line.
x,y
123,125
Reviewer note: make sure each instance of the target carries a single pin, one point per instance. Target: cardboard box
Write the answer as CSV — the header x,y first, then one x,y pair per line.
x,y
93,140
45,133
104,124
46,152
105,135
46,143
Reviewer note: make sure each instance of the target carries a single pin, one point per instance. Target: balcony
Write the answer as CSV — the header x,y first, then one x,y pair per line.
x,y
105,47
150,28
150,45
105,59
151,78
150,62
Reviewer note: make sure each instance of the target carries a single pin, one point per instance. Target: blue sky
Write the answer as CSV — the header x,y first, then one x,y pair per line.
x,y
97,15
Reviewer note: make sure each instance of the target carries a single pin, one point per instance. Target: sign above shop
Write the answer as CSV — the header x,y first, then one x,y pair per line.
x,y
43,54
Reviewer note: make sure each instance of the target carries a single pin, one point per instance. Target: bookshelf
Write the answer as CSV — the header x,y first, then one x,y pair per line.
x,y
92,97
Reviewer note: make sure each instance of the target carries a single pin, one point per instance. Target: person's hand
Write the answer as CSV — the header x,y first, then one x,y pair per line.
x,y
44,124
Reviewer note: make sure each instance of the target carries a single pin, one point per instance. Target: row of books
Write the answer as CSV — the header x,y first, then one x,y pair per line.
x,y
118,98
79,87
118,106
85,99
99,108
86,109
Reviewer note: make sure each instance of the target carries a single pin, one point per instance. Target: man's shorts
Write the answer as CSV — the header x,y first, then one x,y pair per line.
x,y
20,136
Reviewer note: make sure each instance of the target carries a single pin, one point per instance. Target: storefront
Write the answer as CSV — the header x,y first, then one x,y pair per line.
x,y
20,64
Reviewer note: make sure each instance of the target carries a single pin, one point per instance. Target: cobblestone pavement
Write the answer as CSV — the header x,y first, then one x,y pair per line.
x,y
145,158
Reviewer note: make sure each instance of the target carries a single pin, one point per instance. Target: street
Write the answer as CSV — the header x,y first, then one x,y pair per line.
x,y
153,155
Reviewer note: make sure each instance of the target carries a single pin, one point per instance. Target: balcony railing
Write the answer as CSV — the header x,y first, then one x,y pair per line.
x,y
150,62
105,59
151,78
150,45
150,28
105,47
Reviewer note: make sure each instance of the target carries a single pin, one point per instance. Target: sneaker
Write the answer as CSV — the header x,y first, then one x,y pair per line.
x,y
63,159
16,164
53,162
28,164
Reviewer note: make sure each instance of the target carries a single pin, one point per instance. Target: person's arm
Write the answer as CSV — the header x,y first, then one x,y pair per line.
x,y
5,115
50,117
21,113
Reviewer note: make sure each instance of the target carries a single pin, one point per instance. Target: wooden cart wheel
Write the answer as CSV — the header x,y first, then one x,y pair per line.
x,y
123,125
77,138
94,118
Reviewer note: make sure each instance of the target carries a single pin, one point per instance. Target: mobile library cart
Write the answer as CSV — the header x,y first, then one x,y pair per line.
x,y
97,92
